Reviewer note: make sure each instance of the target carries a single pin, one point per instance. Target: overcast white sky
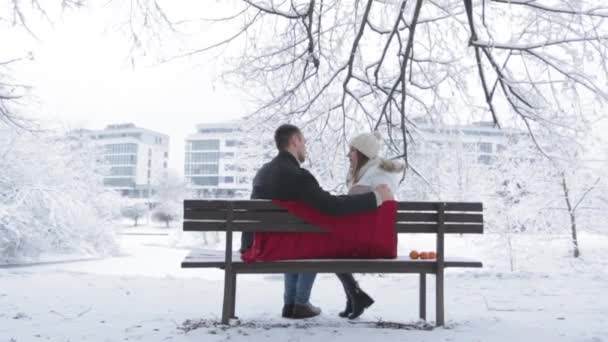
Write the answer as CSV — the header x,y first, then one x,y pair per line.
x,y
83,78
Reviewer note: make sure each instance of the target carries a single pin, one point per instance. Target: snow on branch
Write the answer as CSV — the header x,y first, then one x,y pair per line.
x,y
339,69
594,12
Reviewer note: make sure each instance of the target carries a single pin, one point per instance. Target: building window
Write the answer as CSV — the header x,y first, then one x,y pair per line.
x,y
485,159
485,147
125,159
217,130
149,152
204,157
204,169
119,182
206,145
205,181
164,165
228,180
231,143
166,154
149,174
122,171
500,148
120,148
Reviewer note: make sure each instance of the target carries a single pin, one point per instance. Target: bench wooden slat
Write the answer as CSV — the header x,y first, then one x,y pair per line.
x,y
267,216
260,216
422,228
432,206
284,216
205,205
211,205
202,226
347,266
332,267
432,217
400,227
205,215
238,204
402,264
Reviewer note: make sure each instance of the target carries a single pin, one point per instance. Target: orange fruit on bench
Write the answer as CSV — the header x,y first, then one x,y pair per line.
x,y
432,255
424,255
414,255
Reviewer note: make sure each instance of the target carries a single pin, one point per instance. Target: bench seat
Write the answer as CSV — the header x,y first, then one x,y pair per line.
x,y
403,264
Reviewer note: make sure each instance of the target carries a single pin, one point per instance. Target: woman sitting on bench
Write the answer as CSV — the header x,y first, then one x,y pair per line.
x,y
367,170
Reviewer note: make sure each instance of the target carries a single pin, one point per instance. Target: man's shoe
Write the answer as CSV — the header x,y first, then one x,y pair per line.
x,y
360,302
348,310
305,311
287,311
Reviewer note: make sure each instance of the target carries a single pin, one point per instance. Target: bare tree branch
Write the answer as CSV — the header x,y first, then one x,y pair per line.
x,y
534,4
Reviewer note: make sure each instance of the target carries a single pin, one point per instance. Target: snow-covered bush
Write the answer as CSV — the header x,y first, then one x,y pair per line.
x,y
167,212
52,198
134,212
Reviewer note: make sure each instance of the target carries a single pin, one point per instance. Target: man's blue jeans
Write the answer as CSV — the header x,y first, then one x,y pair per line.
x,y
298,287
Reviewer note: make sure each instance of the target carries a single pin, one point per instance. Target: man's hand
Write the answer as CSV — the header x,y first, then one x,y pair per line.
x,y
385,192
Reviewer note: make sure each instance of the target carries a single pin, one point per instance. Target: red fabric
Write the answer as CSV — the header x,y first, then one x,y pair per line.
x,y
369,235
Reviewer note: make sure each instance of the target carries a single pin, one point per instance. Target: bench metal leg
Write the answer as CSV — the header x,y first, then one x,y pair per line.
x,y
423,296
233,294
228,305
439,299
439,305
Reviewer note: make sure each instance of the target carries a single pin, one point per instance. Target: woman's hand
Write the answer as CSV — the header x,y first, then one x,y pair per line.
x,y
385,192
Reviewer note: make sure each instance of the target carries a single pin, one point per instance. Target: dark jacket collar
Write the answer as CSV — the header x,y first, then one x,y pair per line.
x,y
284,155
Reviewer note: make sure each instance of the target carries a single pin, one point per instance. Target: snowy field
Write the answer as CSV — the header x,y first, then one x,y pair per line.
x,y
143,295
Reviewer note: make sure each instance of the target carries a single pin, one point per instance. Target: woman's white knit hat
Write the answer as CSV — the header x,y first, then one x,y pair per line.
x,y
367,143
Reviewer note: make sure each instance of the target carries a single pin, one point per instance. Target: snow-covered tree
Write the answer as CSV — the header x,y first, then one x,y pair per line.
x,y
545,193
353,66
135,212
52,198
167,213
170,195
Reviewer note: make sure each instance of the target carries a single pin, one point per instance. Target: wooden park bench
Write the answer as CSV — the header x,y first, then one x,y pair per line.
x,y
437,218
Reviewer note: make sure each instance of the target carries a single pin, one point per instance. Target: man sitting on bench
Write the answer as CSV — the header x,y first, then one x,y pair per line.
x,y
282,178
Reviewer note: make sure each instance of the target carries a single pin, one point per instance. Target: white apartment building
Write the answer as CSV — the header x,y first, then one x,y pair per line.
x,y
137,158
217,159
479,142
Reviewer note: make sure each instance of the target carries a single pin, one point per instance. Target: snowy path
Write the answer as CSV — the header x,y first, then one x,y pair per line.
x,y
129,298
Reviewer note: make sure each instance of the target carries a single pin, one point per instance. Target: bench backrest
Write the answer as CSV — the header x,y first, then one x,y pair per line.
x,y
266,216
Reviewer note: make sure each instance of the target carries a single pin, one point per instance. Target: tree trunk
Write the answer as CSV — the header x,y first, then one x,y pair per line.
x,y
167,222
511,257
577,252
135,221
572,214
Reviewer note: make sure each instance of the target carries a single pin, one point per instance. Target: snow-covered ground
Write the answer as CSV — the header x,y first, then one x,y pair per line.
x,y
143,295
